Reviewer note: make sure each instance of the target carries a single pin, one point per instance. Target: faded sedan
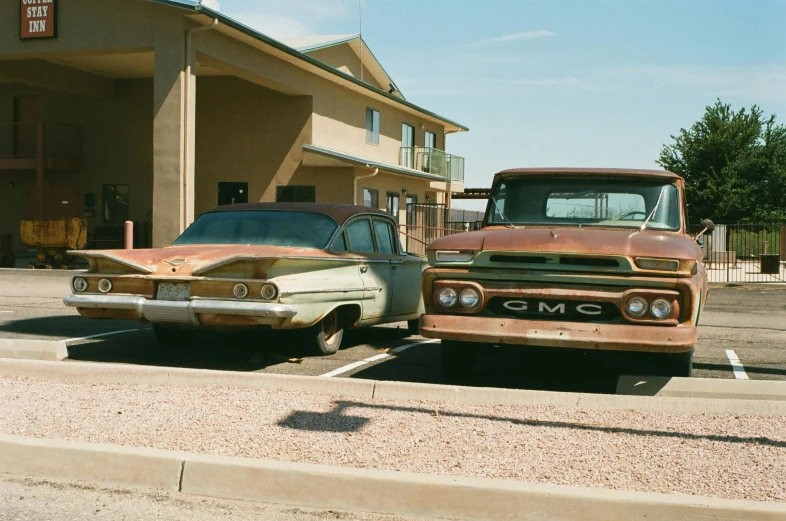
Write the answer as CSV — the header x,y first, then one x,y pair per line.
x,y
316,268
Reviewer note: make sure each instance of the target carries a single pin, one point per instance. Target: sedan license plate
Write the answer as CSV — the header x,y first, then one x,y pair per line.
x,y
172,291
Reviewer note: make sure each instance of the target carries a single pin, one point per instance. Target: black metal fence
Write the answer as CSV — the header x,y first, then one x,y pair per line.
x,y
744,252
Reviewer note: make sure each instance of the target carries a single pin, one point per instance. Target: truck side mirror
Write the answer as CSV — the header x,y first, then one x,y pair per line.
x,y
707,226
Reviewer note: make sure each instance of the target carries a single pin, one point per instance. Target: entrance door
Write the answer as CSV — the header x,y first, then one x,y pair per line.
x,y
232,193
25,119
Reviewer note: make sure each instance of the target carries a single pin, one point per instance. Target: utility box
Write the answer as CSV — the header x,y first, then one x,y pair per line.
x,y
771,264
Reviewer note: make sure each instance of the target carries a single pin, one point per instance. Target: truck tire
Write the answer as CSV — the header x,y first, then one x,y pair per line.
x,y
678,364
173,338
458,359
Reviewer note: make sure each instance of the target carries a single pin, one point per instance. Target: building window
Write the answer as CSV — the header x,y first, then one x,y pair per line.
x,y
392,204
296,194
115,204
371,197
431,140
407,143
372,126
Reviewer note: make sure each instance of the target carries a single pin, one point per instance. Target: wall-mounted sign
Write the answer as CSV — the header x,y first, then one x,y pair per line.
x,y
37,19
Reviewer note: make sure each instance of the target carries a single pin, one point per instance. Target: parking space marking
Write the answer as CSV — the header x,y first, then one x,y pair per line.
x,y
4,311
736,365
382,356
99,335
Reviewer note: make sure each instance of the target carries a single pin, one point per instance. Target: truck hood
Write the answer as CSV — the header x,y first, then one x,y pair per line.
x,y
575,241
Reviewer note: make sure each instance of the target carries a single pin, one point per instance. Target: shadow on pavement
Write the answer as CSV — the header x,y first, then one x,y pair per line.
x,y
748,368
229,351
337,421
65,326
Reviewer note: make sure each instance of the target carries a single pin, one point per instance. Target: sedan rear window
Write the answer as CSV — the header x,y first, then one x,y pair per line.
x,y
261,227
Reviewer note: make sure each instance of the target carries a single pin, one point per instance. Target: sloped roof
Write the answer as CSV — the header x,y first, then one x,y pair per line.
x,y
308,44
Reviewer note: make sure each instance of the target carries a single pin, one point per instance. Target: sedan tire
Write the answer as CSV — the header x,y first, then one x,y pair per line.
x,y
326,336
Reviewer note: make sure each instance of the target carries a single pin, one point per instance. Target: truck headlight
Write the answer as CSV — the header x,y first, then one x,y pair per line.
x,y
469,298
637,307
80,284
447,297
660,308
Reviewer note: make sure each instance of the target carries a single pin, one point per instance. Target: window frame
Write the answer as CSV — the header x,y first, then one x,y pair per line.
x,y
367,218
426,134
372,134
397,195
394,230
371,191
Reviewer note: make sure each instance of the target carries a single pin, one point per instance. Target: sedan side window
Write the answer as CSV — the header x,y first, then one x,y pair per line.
x,y
360,238
384,232
339,243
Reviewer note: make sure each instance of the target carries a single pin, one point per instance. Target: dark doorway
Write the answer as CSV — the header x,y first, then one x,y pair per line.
x,y
232,193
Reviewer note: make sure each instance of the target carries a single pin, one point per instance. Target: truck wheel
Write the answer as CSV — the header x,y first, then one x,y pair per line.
x,y
458,359
326,336
679,364
173,338
413,326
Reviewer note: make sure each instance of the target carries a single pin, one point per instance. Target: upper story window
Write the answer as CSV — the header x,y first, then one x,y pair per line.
x,y
372,126
431,140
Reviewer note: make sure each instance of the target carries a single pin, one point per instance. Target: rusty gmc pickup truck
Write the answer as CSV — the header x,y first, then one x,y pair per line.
x,y
593,259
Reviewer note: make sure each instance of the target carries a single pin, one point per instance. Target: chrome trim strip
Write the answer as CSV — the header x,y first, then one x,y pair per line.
x,y
143,306
236,258
331,290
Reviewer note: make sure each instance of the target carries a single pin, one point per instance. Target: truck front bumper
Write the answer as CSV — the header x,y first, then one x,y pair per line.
x,y
180,312
611,337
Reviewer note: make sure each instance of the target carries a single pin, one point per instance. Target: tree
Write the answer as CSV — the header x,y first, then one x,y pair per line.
x,y
734,165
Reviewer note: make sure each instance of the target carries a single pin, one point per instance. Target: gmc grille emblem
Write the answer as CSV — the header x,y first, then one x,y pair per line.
x,y
553,309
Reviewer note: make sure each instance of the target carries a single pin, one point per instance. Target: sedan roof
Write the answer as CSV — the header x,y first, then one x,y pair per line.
x,y
340,212
622,172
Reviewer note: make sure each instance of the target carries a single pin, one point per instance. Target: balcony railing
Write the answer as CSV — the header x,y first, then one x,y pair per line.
x,y
59,145
433,161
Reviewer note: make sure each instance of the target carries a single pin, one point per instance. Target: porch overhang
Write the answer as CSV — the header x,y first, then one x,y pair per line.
x,y
317,156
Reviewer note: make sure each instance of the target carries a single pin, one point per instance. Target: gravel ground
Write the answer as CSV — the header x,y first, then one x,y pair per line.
x,y
723,455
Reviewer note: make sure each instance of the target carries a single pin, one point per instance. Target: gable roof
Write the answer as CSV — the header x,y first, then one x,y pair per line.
x,y
309,44
452,126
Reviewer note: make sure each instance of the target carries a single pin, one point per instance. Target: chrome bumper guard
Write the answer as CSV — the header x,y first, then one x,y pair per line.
x,y
180,311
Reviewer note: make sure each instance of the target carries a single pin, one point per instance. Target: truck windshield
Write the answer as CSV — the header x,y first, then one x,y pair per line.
x,y
261,227
584,201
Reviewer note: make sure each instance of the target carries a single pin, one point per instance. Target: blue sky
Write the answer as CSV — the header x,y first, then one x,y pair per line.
x,y
558,82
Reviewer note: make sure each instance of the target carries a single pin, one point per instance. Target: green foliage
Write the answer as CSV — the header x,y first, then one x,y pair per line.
x,y
734,165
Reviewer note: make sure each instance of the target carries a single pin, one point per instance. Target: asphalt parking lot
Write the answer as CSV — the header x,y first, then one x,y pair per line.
x,y
748,321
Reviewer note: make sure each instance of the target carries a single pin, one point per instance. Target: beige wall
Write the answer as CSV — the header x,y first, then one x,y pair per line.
x,y
247,133
342,57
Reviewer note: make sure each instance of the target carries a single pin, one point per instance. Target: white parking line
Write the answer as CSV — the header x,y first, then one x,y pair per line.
x,y
382,356
736,365
99,335
4,311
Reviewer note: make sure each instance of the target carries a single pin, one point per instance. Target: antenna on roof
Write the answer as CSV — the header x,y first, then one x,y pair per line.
x,y
360,34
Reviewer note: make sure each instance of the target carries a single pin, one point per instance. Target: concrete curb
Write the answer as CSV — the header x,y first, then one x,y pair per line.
x,y
378,390
702,388
25,349
322,486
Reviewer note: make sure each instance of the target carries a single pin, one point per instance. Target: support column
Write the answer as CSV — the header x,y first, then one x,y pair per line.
x,y
173,158
40,168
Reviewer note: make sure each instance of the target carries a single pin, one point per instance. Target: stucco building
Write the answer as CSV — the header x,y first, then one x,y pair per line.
x,y
155,111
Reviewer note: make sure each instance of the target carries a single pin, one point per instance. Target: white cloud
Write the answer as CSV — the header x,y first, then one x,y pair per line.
x,y
527,35
275,26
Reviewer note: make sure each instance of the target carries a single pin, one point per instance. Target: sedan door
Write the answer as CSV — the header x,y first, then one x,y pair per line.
x,y
406,270
374,268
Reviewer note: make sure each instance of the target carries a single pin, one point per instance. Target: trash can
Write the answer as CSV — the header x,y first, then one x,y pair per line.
x,y
771,264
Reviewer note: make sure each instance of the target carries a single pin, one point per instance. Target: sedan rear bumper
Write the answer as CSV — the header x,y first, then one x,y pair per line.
x,y
185,312
613,337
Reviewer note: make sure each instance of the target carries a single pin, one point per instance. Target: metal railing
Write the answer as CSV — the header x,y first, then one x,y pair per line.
x,y
433,161
744,252
429,222
20,139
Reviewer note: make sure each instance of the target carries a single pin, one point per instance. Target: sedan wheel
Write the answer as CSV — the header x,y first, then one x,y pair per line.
x,y
327,334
